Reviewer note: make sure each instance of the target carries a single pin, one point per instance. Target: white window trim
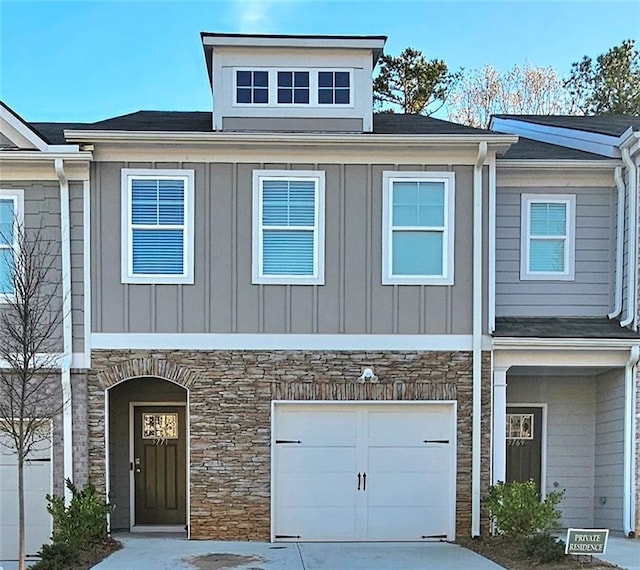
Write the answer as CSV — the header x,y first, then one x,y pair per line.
x,y
448,261
127,274
17,195
258,276
570,244
313,88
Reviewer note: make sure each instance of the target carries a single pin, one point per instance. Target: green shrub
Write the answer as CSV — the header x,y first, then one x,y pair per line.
x,y
83,522
518,511
56,556
544,548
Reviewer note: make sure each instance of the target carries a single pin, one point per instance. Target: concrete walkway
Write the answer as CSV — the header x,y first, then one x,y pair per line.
x,y
179,554
624,552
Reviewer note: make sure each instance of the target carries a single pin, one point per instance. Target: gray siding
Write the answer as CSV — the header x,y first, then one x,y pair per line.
x,y
42,210
609,451
297,125
223,299
571,438
590,294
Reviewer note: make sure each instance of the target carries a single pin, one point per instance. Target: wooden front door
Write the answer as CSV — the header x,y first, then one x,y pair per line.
x,y
159,465
524,444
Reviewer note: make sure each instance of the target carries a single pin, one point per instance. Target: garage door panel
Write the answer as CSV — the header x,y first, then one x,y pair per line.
x,y
402,428
409,523
322,490
318,523
296,459
405,489
413,459
318,428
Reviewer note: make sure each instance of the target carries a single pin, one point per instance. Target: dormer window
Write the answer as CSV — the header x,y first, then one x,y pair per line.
x,y
252,87
334,88
293,87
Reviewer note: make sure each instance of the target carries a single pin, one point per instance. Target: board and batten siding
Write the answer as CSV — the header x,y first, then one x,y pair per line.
x,y
590,293
223,299
609,451
571,436
42,210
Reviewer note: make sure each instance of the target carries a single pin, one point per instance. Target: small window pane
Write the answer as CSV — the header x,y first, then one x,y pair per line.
x,y
159,426
548,219
261,96
302,79
284,96
6,222
6,269
417,253
301,96
325,79
158,252
325,96
243,78
285,78
244,95
342,97
418,204
261,78
547,255
288,252
342,79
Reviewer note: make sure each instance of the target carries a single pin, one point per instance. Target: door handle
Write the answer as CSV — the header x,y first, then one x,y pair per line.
x,y
358,481
364,481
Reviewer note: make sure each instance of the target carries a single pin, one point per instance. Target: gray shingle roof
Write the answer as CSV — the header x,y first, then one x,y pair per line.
x,y
528,149
562,327
613,125
201,121
53,133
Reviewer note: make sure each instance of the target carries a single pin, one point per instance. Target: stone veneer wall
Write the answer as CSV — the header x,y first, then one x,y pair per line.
x,y
230,394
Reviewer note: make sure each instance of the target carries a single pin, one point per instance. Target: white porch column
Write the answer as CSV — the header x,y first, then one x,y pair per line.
x,y
499,471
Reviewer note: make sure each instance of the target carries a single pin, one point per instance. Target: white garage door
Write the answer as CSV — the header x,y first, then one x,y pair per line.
x,y
37,483
363,471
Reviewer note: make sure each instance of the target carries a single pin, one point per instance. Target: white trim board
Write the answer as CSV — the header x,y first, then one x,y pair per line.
x,y
241,341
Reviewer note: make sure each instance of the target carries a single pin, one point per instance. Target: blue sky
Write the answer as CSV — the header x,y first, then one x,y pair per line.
x,y
86,60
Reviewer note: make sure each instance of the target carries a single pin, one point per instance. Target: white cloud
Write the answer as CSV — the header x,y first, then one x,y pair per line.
x,y
254,15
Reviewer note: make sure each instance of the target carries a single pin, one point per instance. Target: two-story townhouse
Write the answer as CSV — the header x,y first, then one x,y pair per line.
x,y
566,286
301,317
44,184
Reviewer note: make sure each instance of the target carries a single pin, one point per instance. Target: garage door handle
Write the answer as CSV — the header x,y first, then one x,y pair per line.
x,y
364,481
358,481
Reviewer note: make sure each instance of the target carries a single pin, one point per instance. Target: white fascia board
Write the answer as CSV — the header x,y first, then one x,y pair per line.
x,y
29,155
606,145
505,163
19,133
239,341
523,343
497,142
294,42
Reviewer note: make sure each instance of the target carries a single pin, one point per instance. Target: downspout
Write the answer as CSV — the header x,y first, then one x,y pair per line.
x,y
617,299
477,341
632,222
65,364
492,245
628,505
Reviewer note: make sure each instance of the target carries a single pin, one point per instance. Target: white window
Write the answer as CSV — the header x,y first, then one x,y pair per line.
x,y
293,87
157,226
417,228
547,240
288,227
11,218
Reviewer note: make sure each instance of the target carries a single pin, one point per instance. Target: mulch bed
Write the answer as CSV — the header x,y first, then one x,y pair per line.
x,y
88,559
510,555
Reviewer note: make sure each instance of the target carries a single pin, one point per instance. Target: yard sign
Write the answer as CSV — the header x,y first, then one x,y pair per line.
x,y
585,541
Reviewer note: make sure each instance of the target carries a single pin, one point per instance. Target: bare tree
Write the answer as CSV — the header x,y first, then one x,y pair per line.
x,y
30,321
523,90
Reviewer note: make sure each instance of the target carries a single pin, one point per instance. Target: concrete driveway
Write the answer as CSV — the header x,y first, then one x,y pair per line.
x,y
175,553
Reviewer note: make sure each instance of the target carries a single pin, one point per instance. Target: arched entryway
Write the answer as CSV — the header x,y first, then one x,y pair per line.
x,y
147,438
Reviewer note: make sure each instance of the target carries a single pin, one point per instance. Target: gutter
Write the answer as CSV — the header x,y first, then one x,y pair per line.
x,y
477,340
628,491
65,365
632,247
617,301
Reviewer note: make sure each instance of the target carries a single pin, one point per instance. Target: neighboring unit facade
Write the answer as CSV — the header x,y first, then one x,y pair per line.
x,y
297,320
